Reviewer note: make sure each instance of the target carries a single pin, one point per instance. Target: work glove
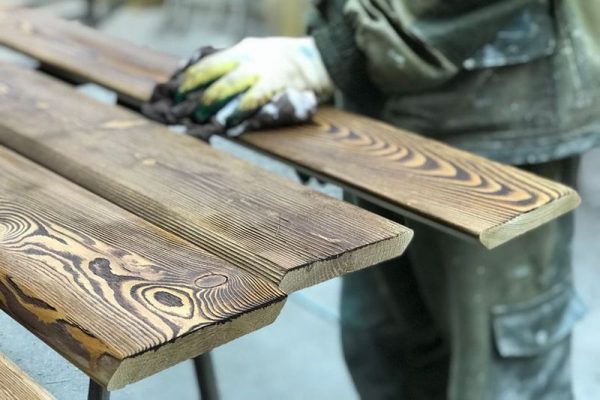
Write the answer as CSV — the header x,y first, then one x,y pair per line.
x,y
278,85
256,83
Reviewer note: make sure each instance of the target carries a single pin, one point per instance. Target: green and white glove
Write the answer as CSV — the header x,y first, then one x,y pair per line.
x,y
258,70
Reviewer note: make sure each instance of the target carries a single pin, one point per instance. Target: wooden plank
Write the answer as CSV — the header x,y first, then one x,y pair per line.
x,y
16,384
109,65
117,296
424,179
420,177
278,229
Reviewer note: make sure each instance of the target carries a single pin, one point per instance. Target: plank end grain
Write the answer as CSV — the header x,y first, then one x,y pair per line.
x,y
523,223
16,384
344,263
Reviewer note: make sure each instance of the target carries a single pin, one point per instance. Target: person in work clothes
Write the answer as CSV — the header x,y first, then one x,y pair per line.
x,y
516,81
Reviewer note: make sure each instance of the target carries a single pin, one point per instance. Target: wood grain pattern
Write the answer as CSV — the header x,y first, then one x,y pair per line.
x,y
15,384
425,178
421,178
269,226
117,296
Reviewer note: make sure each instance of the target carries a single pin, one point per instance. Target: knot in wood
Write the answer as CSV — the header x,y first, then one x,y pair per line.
x,y
210,281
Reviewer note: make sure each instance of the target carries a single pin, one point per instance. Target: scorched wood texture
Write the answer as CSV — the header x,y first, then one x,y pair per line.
x,y
115,295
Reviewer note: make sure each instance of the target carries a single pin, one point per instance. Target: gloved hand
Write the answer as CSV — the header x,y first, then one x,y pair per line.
x,y
262,68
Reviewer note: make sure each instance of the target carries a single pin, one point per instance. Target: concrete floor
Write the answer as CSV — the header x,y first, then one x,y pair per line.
x,y
299,356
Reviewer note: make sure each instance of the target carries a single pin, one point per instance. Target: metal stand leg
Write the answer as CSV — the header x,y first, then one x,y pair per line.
x,y
97,392
94,15
89,16
205,373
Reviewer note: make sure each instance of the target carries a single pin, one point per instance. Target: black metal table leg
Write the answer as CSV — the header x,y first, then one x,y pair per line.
x,y
89,16
205,373
97,392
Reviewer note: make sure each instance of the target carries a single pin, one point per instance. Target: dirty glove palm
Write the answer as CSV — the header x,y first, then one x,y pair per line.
x,y
262,68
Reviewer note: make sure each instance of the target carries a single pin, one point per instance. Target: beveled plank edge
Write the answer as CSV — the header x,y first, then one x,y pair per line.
x,y
526,222
350,261
8,365
140,366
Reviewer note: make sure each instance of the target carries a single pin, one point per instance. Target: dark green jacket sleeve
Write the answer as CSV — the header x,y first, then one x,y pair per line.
x,y
404,46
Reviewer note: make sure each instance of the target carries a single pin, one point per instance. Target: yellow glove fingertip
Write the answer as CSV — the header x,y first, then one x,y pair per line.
x,y
228,87
209,99
213,94
248,104
202,73
186,85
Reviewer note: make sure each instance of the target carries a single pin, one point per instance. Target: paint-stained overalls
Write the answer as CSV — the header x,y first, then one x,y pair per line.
x,y
513,80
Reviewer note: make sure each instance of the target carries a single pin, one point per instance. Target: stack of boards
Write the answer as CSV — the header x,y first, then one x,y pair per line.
x,y
149,248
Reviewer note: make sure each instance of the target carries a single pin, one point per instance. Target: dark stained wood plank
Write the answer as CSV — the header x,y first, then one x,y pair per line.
x,y
117,296
278,229
421,178
15,384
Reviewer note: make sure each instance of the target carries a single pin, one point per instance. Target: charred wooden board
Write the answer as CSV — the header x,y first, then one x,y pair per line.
x,y
421,178
117,296
16,384
277,229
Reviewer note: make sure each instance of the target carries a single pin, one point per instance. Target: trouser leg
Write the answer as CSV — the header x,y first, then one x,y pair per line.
x,y
392,345
510,313
505,314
